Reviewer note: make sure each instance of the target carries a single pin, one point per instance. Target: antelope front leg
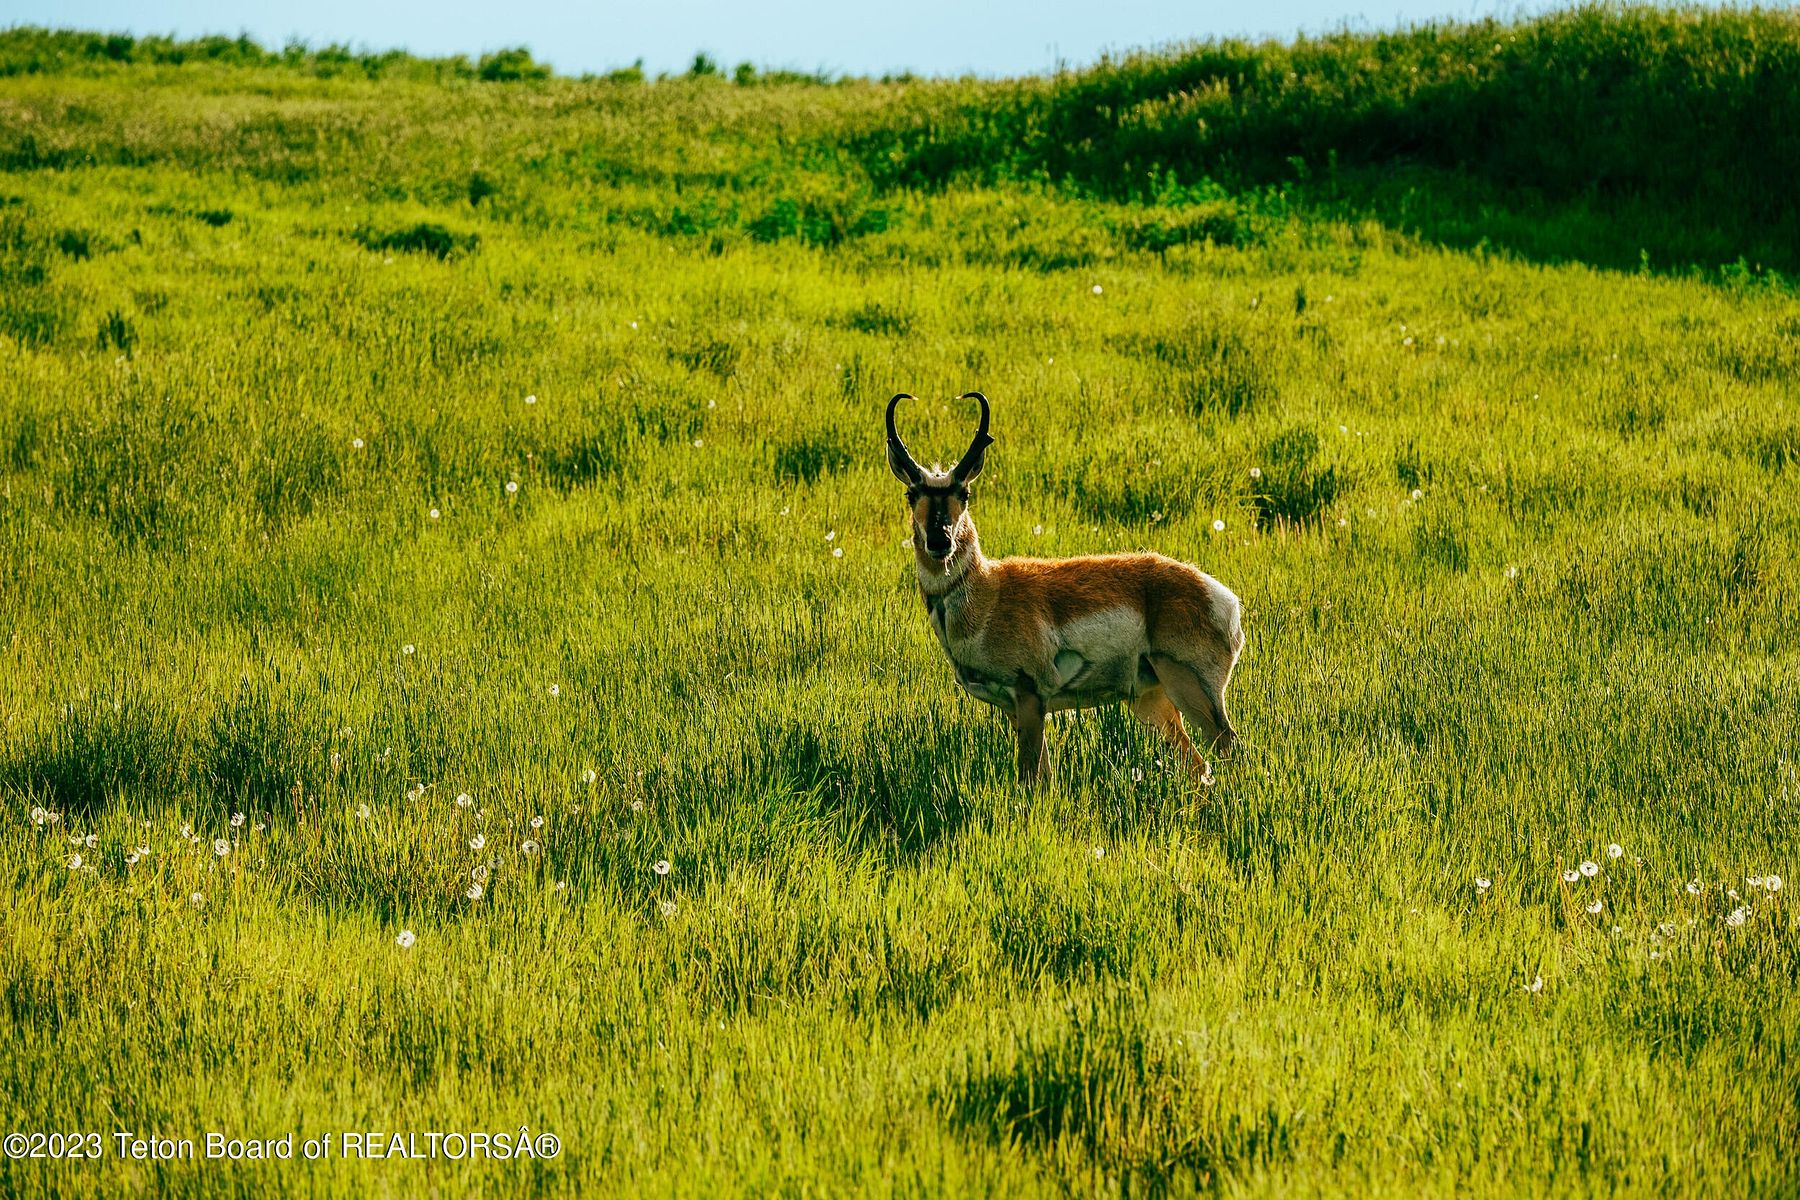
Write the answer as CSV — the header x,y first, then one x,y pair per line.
x,y
1028,720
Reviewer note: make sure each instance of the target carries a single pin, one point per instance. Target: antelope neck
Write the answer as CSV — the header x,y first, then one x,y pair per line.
x,y
938,587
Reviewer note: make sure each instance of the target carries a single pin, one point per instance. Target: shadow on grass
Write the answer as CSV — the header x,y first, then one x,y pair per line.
x,y
1104,1096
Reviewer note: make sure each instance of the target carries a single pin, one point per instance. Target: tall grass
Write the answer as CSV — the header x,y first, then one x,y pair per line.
x,y
1516,541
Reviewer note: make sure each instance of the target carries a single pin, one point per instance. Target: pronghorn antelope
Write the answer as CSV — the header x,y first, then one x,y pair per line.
x,y
1031,635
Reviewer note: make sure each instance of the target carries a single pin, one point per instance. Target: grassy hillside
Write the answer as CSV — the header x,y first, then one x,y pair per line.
x,y
367,444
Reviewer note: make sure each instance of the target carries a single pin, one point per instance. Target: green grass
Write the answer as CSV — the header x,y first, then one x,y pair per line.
x,y
1520,574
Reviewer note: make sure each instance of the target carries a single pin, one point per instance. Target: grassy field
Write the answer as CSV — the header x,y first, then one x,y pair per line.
x,y
461,671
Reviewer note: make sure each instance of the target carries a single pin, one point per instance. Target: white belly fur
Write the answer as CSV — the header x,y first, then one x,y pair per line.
x,y
1097,658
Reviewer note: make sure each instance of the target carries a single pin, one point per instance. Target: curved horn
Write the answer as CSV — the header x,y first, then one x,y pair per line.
x,y
970,465
900,461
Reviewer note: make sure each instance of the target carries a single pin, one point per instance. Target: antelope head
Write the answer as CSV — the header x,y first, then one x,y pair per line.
x,y
939,499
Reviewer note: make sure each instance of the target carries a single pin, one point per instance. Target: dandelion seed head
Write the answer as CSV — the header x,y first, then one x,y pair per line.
x,y
537,822
237,819
197,900
75,861
405,940
512,485
1590,868
1097,289
555,690
1596,905
362,811
435,514
478,841
666,907
356,443
837,552
528,847
1737,916
463,800
1418,494
1482,885
662,866
1615,851
1571,875
474,892
1772,883
1218,525
407,649
589,775
479,872
221,847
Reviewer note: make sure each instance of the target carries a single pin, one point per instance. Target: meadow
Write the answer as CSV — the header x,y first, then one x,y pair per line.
x,y
461,668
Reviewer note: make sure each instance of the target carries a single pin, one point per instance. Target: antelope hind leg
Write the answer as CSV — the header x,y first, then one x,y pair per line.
x,y
1198,701
1154,709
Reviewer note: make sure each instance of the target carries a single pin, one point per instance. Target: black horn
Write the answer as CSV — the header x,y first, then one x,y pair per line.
x,y
971,463
900,462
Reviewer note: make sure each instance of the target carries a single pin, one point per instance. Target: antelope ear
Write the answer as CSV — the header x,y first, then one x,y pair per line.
x,y
901,464
974,460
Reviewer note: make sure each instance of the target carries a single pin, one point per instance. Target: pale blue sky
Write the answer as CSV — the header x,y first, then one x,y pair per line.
x,y
940,37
